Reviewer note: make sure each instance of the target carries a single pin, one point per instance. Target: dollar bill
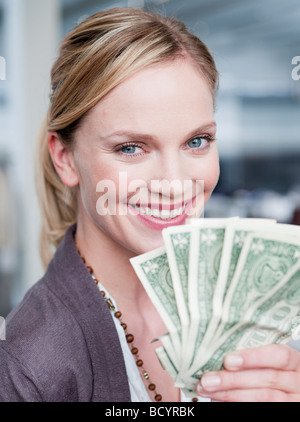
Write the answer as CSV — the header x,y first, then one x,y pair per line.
x,y
153,270
263,262
230,241
206,251
194,253
222,285
235,236
269,321
177,242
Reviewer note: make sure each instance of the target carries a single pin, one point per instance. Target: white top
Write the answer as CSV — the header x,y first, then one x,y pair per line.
x,y
137,387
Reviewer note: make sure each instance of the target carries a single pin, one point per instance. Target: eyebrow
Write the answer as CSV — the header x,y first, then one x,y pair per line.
x,y
146,137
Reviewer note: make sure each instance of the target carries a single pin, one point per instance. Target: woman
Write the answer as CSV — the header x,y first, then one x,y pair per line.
x,y
132,102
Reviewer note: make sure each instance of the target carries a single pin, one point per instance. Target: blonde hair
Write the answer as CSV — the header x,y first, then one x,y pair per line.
x,y
94,58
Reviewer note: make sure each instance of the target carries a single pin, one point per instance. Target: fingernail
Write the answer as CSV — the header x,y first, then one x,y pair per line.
x,y
199,388
233,361
210,381
201,392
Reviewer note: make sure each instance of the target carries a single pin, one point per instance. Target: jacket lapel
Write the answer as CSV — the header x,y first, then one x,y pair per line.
x,y
72,282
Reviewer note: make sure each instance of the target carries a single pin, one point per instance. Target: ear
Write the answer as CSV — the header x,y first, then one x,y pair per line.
x,y
63,160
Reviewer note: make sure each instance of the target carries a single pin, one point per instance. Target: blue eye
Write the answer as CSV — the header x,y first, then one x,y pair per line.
x,y
197,142
129,149
200,142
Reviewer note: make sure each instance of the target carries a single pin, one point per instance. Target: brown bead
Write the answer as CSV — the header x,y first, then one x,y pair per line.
x,y
195,399
129,338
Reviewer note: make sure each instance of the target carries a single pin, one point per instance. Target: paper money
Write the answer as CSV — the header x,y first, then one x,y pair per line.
x,y
153,270
222,285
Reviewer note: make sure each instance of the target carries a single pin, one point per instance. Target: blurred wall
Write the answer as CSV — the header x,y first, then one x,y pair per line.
x,y
30,33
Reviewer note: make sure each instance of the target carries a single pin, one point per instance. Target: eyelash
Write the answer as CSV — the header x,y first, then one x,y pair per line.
x,y
208,138
129,144
119,148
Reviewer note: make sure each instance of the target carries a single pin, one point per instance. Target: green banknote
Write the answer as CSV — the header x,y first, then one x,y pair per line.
x,y
269,321
205,258
153,270
177,242
235,236
222,285
263,262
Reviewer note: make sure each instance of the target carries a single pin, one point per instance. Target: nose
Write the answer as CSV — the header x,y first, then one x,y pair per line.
x,y
171,178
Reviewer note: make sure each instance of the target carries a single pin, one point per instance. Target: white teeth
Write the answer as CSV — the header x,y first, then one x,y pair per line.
x,y
163,214
155,213
178,211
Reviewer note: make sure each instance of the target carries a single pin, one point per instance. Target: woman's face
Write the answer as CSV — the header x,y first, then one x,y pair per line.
x,y
145,155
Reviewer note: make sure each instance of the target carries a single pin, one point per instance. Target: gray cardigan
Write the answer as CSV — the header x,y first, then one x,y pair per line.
x,y
61,343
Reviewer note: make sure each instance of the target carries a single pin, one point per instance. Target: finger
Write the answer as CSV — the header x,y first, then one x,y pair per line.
x,y
271,356
255,395
286,381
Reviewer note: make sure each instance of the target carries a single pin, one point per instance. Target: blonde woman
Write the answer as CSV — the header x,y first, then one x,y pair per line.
x,y
132,99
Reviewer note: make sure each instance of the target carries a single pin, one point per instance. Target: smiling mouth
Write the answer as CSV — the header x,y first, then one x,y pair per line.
x,y
163,214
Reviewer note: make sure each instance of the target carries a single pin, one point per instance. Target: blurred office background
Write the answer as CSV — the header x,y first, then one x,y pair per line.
x,y
258,111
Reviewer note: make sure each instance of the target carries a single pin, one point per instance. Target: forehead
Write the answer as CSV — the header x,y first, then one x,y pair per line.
x,y
173,93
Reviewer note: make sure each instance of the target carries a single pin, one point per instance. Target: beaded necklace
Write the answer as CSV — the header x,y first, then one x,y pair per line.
x,y
129,336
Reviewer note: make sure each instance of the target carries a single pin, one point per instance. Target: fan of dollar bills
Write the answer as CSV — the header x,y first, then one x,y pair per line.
x,y
222,285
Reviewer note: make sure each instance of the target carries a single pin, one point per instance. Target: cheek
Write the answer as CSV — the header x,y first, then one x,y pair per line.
x,y
214,175
209,172
107,190
97,185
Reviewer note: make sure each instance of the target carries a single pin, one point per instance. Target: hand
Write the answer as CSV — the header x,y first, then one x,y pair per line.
x,y
264,374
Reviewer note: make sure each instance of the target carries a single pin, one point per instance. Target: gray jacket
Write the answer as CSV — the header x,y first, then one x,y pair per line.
x,y
61,343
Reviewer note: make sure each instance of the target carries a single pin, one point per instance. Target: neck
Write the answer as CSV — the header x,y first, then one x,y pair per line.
x,y
110,263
